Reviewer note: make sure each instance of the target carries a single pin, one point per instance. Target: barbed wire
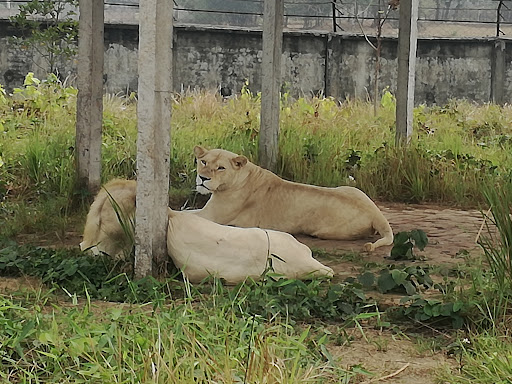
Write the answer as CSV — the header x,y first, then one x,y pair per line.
x,y
490,18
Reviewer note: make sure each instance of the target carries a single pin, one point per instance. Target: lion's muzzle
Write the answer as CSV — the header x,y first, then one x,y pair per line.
x,y
201,187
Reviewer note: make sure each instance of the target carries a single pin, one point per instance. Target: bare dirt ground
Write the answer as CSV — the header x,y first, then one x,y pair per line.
x,y
451,233
391,357
394,359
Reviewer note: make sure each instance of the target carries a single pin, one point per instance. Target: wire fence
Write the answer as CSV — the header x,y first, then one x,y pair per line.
x,y
436,18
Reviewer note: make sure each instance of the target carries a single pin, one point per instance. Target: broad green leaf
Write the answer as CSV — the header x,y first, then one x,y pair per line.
x,y
401,251
399,276
367,279
385,282
457,306
420,238
409,287
401,238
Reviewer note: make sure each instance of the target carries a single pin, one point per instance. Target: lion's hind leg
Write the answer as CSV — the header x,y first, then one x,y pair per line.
x,y
386,240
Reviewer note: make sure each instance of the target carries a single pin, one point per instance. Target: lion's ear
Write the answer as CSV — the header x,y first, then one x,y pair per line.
x,y
199,151
239,161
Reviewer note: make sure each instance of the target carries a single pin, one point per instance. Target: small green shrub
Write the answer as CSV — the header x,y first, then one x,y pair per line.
x,y
432,311
303,300
404,243
406,280
413,281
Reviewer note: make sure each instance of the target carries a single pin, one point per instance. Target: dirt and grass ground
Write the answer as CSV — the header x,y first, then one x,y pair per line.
x,y
414,354
452,241
461,151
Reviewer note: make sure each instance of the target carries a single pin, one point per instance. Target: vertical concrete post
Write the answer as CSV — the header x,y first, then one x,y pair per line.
x,y
333,62
407,43
153,139
89,109
498,72
271,83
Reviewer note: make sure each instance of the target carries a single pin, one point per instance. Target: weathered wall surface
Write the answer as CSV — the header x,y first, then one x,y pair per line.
x,y
336,65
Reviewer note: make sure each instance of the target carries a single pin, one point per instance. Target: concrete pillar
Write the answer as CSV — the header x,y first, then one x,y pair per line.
x,y
271,83
333,62
498,72
153,139
407,43
89,110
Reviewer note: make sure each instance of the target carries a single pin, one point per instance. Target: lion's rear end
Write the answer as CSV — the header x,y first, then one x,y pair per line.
x,y
103,229
342,213
368,217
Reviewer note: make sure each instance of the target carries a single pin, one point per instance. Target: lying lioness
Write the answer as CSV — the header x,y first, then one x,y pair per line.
x,y
198,246
245,195
103,231
202,248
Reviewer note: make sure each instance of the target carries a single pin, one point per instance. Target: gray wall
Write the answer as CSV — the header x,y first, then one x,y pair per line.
x,y
337,65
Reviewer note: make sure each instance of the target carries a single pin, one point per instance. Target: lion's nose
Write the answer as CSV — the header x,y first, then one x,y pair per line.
x,y
203,179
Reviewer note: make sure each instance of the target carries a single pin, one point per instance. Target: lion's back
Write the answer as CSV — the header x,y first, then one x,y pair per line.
x,y
102,223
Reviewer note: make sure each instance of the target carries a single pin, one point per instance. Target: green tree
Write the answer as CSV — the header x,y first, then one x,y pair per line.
x,y
49,28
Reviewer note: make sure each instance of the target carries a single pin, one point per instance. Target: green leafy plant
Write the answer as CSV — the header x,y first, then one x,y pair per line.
x,y
432,310
412,281
408,280
50,28
404,243
304,299
41,98
78,273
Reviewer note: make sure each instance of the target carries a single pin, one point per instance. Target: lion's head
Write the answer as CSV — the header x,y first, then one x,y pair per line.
x,y
217,169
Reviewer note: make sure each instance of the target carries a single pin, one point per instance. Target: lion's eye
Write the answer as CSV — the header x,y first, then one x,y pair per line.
x,y
203,162
221,168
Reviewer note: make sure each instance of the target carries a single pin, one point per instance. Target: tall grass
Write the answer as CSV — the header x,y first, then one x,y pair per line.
x,y
497,240
456,148
486,359
193,340
485,354
496,243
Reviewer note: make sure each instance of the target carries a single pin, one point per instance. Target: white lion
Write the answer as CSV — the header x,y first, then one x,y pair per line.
x,y
245,195
198,246
103,231
202,248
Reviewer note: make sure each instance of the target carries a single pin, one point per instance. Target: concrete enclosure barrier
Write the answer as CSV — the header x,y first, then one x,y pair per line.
x,y
332,64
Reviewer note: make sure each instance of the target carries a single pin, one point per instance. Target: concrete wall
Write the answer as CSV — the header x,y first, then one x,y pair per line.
x,y
337,65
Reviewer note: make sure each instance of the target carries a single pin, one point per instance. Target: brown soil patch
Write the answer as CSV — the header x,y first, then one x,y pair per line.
x,y
391,358
19,284
383,353
451,233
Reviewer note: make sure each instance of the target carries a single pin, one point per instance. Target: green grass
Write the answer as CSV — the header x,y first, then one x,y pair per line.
x,y
185,341
485,358
456,149
171,332
485,353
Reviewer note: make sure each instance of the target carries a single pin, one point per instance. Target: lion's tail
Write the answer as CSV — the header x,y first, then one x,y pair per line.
x,y
381,225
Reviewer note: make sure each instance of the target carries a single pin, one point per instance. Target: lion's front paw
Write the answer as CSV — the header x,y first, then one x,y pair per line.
x,y
369,247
